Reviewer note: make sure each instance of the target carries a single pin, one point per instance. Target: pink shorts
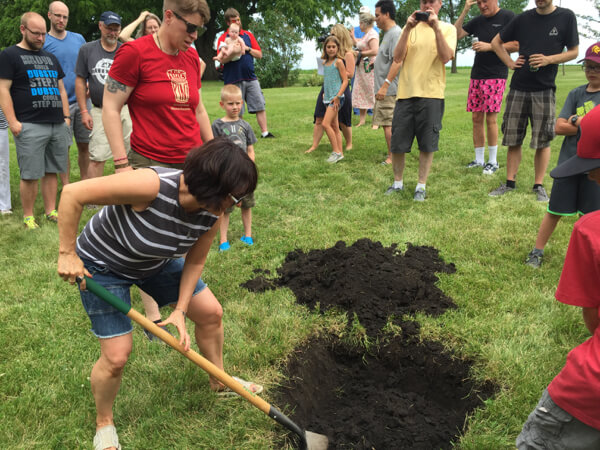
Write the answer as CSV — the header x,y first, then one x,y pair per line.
x,y
486,95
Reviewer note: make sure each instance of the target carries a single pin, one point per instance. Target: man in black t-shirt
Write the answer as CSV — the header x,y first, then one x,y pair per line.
x,y
542,33
488,77
35,103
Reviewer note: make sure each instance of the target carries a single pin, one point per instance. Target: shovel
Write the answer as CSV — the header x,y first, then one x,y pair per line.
x,y
308,440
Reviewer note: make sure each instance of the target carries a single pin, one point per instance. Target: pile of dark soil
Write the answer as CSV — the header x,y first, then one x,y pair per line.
x,y
405,394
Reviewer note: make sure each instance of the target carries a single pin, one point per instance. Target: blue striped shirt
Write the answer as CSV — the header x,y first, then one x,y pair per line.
x,y
136,244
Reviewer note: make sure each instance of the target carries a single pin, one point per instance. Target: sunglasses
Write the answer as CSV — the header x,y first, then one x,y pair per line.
x,y
237,201
191,27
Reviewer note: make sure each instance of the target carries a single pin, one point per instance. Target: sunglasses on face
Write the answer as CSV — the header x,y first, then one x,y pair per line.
x,y
191,27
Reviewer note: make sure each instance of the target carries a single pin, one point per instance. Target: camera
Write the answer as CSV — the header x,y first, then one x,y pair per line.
x,y
422,16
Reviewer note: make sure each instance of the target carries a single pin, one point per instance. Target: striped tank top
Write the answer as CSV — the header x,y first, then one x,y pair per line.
x,y
136,244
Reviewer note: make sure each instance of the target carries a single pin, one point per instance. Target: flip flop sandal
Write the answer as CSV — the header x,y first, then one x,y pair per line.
x,y
253,388
106,437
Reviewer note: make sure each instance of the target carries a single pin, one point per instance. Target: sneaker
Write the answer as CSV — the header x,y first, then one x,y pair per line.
x,y
501,190
30,223
419,195
224,246
474,164
535,258
335,157
247,240
392,189
52,216
490,169
268,136
541,194
6,212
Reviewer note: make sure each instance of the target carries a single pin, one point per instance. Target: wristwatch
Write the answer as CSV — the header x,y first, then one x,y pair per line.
x,y
574,120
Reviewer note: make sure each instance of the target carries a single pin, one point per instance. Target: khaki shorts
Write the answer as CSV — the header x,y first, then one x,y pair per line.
x,y
383,112
99,149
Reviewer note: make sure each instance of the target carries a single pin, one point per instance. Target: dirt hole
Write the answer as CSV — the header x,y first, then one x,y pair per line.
x,y
400,392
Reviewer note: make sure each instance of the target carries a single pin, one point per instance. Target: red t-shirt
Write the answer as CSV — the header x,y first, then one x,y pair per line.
x,y
576,389
164,99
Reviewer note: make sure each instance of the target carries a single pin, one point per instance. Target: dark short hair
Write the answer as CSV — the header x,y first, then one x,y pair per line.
x,y
216,169
387,7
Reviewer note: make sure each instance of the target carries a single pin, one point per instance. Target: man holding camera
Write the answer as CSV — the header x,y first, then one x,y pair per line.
x,y
425,46
542,34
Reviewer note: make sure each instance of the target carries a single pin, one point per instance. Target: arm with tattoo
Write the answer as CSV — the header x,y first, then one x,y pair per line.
x,y
115,97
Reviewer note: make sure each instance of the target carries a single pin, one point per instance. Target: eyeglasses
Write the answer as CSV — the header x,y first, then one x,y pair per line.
x,y
587,68
191,27
36,33
60,16
237,201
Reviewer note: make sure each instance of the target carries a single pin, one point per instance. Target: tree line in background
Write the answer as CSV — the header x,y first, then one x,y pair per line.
x,y
279,25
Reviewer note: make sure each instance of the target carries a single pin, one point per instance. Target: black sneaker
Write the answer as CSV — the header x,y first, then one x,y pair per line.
x,y
153,338
535,258
268,135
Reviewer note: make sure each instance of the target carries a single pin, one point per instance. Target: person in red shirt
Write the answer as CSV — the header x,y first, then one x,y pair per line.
x,y
568,414
158,76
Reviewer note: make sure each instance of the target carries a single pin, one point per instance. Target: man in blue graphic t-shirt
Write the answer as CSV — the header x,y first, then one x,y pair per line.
x,y
35,103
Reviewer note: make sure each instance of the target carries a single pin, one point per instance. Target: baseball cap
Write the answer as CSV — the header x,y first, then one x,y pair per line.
x,y
592,53
364,10
588,148
109,17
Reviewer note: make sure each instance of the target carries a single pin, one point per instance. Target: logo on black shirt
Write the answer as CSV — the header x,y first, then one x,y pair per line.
x,y
553,32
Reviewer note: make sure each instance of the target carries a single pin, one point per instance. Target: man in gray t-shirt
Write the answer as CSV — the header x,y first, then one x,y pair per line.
x,y
93,63
386,71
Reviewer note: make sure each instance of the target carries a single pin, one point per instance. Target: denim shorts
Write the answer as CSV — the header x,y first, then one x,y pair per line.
x,y
108,322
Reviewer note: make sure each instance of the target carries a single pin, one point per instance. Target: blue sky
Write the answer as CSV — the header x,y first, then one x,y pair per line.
x,y
309,59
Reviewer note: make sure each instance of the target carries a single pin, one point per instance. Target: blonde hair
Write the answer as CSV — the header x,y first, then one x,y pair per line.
x,y
330,38
343,36
230,90
367,19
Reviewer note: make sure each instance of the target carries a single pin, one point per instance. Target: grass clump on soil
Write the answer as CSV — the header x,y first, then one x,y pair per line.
x,y
506,321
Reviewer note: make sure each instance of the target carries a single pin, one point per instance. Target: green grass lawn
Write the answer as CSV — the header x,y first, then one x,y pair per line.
x,y
507,320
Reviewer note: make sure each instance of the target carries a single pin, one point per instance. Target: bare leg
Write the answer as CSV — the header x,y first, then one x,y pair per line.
x,y
387,132
247,221
107,374
150,306
28,190
547,227
362,117
95,169
49,187
478,129
206,312
513,159
317,134
347,132
330,125
540,162
261,118
223,227
83,159
398,160
491,120
425,162
65,176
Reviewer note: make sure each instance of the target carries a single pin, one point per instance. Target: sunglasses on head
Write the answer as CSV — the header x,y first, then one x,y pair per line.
x,y
190,27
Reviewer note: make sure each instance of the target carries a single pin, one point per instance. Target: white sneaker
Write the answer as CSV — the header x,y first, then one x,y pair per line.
x,y
490,169
335,157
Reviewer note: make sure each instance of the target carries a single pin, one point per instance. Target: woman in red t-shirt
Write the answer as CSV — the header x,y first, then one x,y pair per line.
x,y
158,76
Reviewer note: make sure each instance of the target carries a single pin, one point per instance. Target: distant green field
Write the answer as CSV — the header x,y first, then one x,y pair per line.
x,y
507,320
